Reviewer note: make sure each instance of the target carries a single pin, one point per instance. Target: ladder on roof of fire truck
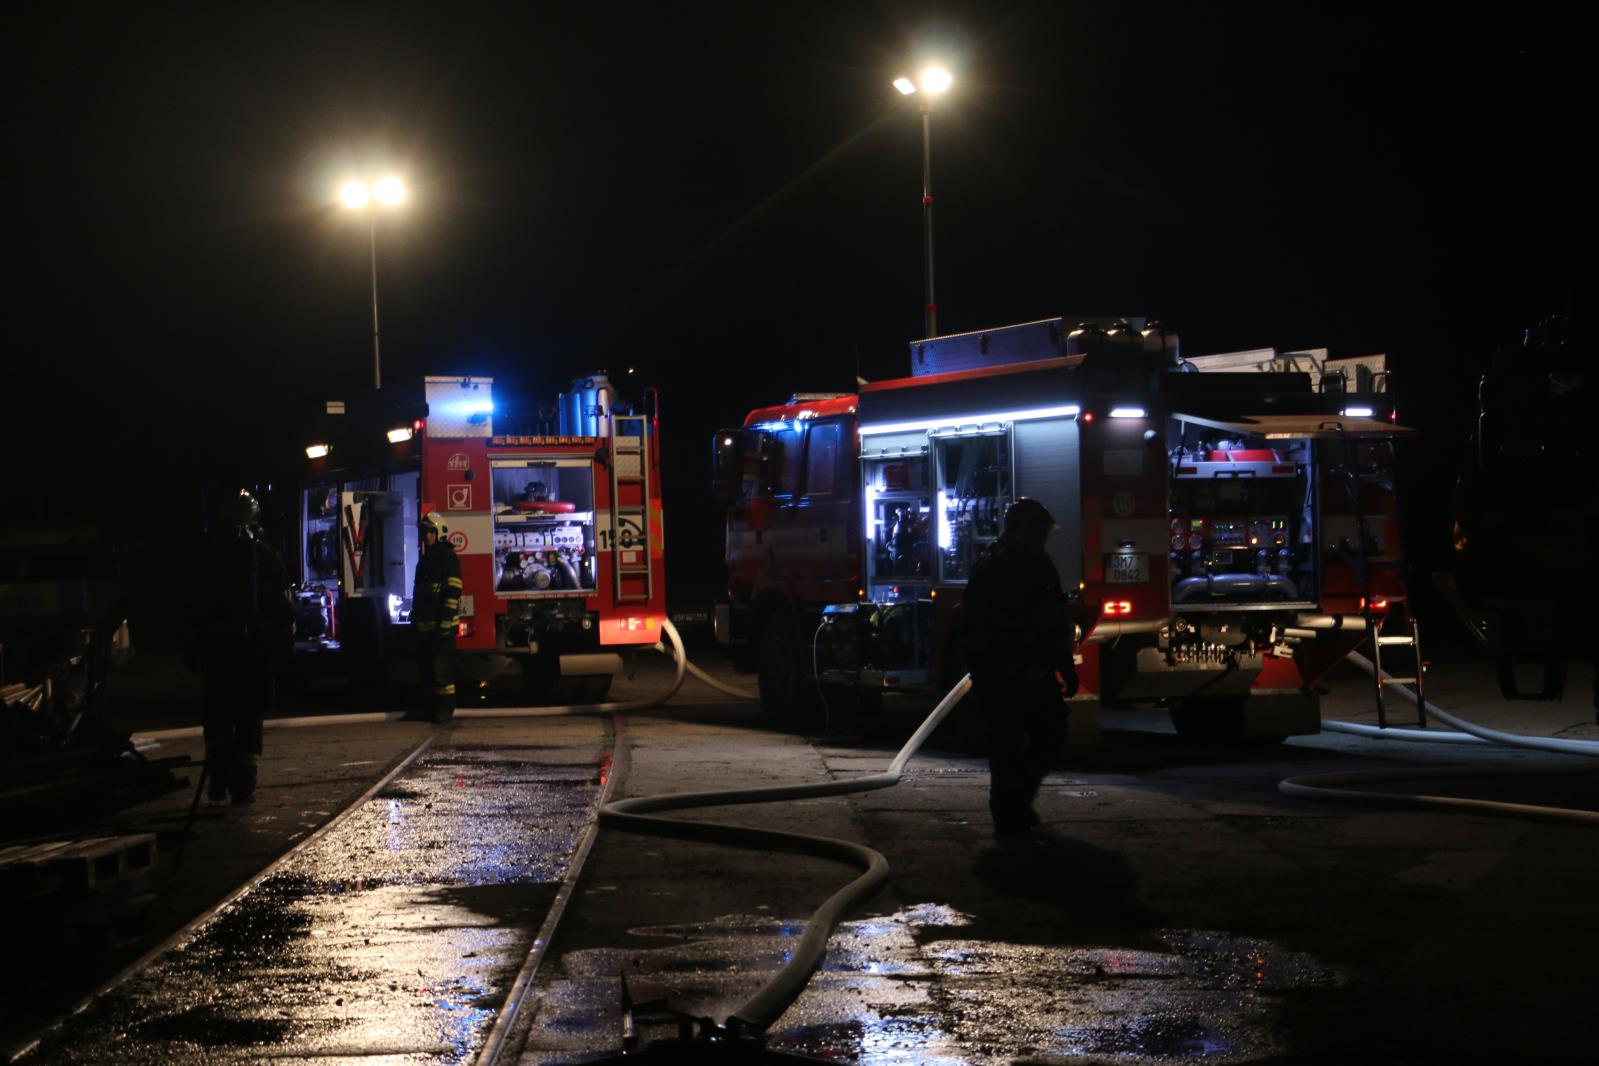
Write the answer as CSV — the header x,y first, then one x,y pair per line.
x,y
1398,614
630,520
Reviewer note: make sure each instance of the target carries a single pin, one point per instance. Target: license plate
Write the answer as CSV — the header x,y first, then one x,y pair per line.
x,y
1127,569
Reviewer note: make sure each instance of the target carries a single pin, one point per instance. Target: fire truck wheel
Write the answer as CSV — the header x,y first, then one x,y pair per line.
x,y
1217,719
593,688
788,697
543,683
843,702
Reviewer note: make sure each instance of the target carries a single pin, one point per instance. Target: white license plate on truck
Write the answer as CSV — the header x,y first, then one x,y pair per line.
x,y
1127,568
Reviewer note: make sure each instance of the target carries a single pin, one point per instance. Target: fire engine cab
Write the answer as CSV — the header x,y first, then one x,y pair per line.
x,y
1226,524
559,534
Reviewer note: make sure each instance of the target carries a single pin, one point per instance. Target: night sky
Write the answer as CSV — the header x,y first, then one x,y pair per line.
x,y
728,200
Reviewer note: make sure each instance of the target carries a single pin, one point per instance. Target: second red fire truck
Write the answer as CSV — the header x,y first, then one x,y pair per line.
x,y
1227,534
559,534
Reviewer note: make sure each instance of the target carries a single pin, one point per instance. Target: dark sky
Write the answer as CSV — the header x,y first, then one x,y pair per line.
x,y
728,199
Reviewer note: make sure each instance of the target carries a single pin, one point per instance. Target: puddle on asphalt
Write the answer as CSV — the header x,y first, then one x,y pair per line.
x,y
905,988
396,935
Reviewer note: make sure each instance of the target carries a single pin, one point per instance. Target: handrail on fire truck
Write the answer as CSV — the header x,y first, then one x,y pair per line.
x,y
630,449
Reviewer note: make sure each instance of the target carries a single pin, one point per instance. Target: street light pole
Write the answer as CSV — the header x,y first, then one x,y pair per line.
x,y
377,361
930,312
390,192
934,80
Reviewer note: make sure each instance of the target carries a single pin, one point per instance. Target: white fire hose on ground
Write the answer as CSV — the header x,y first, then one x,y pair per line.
x,y
1331,786
642,814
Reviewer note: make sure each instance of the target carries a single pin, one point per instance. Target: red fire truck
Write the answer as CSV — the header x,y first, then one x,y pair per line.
x,y
1226,534
559,534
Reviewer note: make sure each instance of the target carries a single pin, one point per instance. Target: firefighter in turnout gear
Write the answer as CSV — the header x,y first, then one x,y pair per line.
x,y
435,614
246,628
1018,640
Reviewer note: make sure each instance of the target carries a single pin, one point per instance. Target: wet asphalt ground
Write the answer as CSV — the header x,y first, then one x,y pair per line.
x,y
1175,908
391,937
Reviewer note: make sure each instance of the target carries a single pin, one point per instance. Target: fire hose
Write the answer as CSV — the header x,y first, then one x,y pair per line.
x,y
644,814
1331,786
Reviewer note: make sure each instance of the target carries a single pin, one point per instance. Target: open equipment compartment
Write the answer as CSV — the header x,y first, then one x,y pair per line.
x,y
544,536
974,490
1243,518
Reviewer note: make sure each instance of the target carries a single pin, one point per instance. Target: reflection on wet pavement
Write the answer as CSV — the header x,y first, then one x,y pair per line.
x,y
392,938
906,989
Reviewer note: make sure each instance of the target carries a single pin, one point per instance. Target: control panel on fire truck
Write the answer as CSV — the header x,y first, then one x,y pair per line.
x,y
1241,522
543,526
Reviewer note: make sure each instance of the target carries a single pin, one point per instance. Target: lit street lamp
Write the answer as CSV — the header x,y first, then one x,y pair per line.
x,y
934,80
357,196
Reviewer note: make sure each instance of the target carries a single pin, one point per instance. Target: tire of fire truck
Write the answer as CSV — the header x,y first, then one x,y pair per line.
x,y
844,703
1554,677
361,633
788,697
544,684
1222,719
480,667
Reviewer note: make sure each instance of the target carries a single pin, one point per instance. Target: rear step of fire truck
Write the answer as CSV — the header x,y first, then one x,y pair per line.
x,y
1398,616
630,502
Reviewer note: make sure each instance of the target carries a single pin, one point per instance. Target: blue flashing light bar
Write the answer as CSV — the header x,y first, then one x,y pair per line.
x,y
471,408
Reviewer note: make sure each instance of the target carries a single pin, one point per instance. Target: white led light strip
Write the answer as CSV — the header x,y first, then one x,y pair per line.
x,y
972,420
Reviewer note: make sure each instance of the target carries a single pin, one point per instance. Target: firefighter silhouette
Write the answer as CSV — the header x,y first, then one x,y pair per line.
x,y
435,614
247,629
1018,640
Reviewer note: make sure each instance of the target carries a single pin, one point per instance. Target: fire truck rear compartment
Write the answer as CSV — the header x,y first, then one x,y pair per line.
x,y
543,525
1242,519
1242,561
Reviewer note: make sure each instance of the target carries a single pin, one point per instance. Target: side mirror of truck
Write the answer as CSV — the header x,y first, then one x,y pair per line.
x,y
727,465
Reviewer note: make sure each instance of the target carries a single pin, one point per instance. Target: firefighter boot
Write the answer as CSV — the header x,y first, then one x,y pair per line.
x,y
217,772
1014,817
441,705
241,782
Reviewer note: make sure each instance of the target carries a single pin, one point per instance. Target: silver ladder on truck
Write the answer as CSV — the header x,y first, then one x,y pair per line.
x,y
630,518
1404,632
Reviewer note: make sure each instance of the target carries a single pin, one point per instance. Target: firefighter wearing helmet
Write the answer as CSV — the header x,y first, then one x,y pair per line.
x,y
435,614
1018,640
244,629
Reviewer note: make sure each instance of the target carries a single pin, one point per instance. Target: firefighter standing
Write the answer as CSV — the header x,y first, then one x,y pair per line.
x,y
1018,641
435,613
248,623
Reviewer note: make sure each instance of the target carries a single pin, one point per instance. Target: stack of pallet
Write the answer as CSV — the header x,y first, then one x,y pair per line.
x,y
93,893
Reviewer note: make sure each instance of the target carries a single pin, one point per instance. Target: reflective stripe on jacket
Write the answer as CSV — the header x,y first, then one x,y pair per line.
x,y
436,599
